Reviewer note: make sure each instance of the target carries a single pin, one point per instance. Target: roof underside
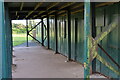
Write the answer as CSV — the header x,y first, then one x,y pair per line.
x,y
37,10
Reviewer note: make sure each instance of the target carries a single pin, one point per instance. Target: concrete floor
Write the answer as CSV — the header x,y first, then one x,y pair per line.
x,y
38,62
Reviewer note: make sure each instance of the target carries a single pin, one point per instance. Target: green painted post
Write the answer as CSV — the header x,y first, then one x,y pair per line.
x,y
3,67
56,35
8,34
69,34
93,32
48,36
42,32
86,39
27,32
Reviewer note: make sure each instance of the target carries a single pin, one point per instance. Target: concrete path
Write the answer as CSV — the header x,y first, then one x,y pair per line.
x,y
38,62
30,43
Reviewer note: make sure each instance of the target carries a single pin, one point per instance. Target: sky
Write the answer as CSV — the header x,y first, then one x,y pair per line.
x,y
19,22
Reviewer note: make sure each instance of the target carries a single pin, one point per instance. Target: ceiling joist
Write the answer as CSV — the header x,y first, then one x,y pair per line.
x,y
38,14
105,3
35,8
77,6
52,5
25,12
66,5
21,7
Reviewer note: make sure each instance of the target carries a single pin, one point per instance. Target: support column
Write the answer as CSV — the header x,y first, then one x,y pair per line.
x,y
27,32
11,50
42,32
56,35
86,39
93,32
69,34
3,49
8,33
48,36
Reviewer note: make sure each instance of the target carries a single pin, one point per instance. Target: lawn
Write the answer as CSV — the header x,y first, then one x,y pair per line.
x,y
19,39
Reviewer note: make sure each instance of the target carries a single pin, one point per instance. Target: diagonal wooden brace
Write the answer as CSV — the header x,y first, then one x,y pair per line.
x,y
102,60
106,31
94,54
107,64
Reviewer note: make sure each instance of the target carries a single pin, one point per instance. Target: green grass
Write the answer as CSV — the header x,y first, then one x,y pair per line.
x,y
19,39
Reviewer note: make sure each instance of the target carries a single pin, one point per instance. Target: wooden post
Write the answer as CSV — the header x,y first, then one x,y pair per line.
x,y
56,35
27,32
42,32
48,36
3,47
69,34
86,39
93,32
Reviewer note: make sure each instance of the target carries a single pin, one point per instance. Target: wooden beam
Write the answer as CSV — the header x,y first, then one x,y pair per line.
x,y
38,5
52,5
21,7
56,34
43,15
61,11
38,14
27,33
99,5
42,31
63,14
106,31
66,5
79,5
27,9
48,35
51,12
87,26
16,13
35,8
3,45
105,3
69,34
93,27
81,10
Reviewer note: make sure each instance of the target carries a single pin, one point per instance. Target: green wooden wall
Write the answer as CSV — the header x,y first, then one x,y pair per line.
x,y
104,16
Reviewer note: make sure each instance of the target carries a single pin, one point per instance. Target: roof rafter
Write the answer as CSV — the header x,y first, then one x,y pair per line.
x,y
79,5
105,3
47,9
66,5
21,7
35,8
51,12
38,14
52,5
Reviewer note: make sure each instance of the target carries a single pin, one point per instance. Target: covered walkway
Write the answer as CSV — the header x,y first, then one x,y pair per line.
x,y
39,62
86,32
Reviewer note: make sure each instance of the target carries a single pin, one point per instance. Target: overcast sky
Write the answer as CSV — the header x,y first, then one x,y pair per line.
x,y
19,21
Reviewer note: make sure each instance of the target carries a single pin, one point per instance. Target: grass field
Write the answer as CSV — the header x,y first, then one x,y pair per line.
x,y
19,39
